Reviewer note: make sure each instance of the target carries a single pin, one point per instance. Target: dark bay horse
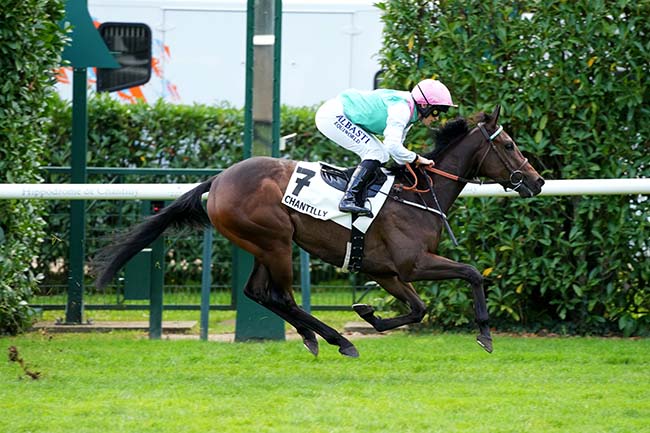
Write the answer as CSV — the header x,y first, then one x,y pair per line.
x,y
245,205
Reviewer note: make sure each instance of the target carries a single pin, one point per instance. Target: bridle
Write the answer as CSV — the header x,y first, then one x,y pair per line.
x,y
516,176
515,180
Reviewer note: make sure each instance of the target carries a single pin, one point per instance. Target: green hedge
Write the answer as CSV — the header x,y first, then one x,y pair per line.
x,y
154,136
30,47
573,79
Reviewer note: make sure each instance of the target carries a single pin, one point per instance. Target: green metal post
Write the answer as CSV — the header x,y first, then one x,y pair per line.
x,y
277,57
74,306
305,281
86,49
156,293
261,137
206,281
248,107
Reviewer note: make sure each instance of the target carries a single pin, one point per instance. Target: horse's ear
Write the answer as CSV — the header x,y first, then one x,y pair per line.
x,y
495,114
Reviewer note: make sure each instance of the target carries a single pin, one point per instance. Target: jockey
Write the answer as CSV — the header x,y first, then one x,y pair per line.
x,y
352,119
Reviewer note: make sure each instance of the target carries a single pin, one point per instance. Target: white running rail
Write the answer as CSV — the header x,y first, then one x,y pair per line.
x,y
151,191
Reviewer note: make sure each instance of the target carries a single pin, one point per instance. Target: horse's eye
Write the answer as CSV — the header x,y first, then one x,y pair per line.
x,y
509,145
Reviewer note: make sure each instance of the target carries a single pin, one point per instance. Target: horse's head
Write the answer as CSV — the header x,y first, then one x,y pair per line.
x,y
499,158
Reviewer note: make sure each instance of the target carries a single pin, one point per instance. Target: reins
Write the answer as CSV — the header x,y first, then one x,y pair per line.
x,y
425,169
438,209
515,179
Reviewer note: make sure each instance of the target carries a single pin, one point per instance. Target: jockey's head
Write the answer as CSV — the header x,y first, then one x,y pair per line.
x,y
431,98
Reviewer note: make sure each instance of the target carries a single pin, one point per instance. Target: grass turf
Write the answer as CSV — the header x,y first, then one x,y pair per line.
x,y
121,382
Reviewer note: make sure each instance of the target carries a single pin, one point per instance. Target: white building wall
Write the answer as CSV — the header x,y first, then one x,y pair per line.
x,y
200,48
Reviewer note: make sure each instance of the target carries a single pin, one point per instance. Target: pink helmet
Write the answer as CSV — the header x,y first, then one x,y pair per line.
x,y
432,92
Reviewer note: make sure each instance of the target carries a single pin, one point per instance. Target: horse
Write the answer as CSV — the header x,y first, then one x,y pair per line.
x,y
244,204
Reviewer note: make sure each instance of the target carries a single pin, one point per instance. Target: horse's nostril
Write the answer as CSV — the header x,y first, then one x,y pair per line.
x,y
540,182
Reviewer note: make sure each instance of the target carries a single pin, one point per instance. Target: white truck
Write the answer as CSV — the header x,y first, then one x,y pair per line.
x,y
199,49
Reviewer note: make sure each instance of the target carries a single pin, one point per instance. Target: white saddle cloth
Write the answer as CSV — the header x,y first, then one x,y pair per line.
x,y
308,193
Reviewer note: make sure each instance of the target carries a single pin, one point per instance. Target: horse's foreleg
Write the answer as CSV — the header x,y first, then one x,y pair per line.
x,y
432,267
402,291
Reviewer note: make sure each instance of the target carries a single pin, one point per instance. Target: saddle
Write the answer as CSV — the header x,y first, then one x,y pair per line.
x,y
338,178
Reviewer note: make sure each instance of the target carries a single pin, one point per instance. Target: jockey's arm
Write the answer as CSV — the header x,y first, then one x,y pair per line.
x,y
395,133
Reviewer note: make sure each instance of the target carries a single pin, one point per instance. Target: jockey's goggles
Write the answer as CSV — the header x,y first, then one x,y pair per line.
x,y
432,110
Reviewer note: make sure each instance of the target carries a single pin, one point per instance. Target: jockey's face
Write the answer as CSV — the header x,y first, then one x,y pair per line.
x,y
431,113
430,119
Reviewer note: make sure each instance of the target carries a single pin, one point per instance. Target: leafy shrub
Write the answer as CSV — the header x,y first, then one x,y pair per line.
x,y
572,78
30,47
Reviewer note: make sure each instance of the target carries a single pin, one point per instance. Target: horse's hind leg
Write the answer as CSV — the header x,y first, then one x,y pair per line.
x,y
273,290
259,289
402,291
260,224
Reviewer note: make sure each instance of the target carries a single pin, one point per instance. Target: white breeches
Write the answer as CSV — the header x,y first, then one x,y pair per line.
x,y
331,121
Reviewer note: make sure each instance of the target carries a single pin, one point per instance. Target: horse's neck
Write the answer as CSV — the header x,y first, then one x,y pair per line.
x,y
448,190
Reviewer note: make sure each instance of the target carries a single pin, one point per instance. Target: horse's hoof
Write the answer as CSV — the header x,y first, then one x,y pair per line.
x,y
350,351
363,310
312,346
485,342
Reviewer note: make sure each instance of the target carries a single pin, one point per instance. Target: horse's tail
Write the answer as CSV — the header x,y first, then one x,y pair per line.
x,y
185,210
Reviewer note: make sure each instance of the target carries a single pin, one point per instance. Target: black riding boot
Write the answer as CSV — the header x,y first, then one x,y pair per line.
x,y
354,198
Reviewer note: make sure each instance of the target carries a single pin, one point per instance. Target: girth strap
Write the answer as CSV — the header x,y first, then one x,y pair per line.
x,y
354,253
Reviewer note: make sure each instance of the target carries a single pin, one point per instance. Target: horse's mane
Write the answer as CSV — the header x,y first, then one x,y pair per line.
x,y
444,138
